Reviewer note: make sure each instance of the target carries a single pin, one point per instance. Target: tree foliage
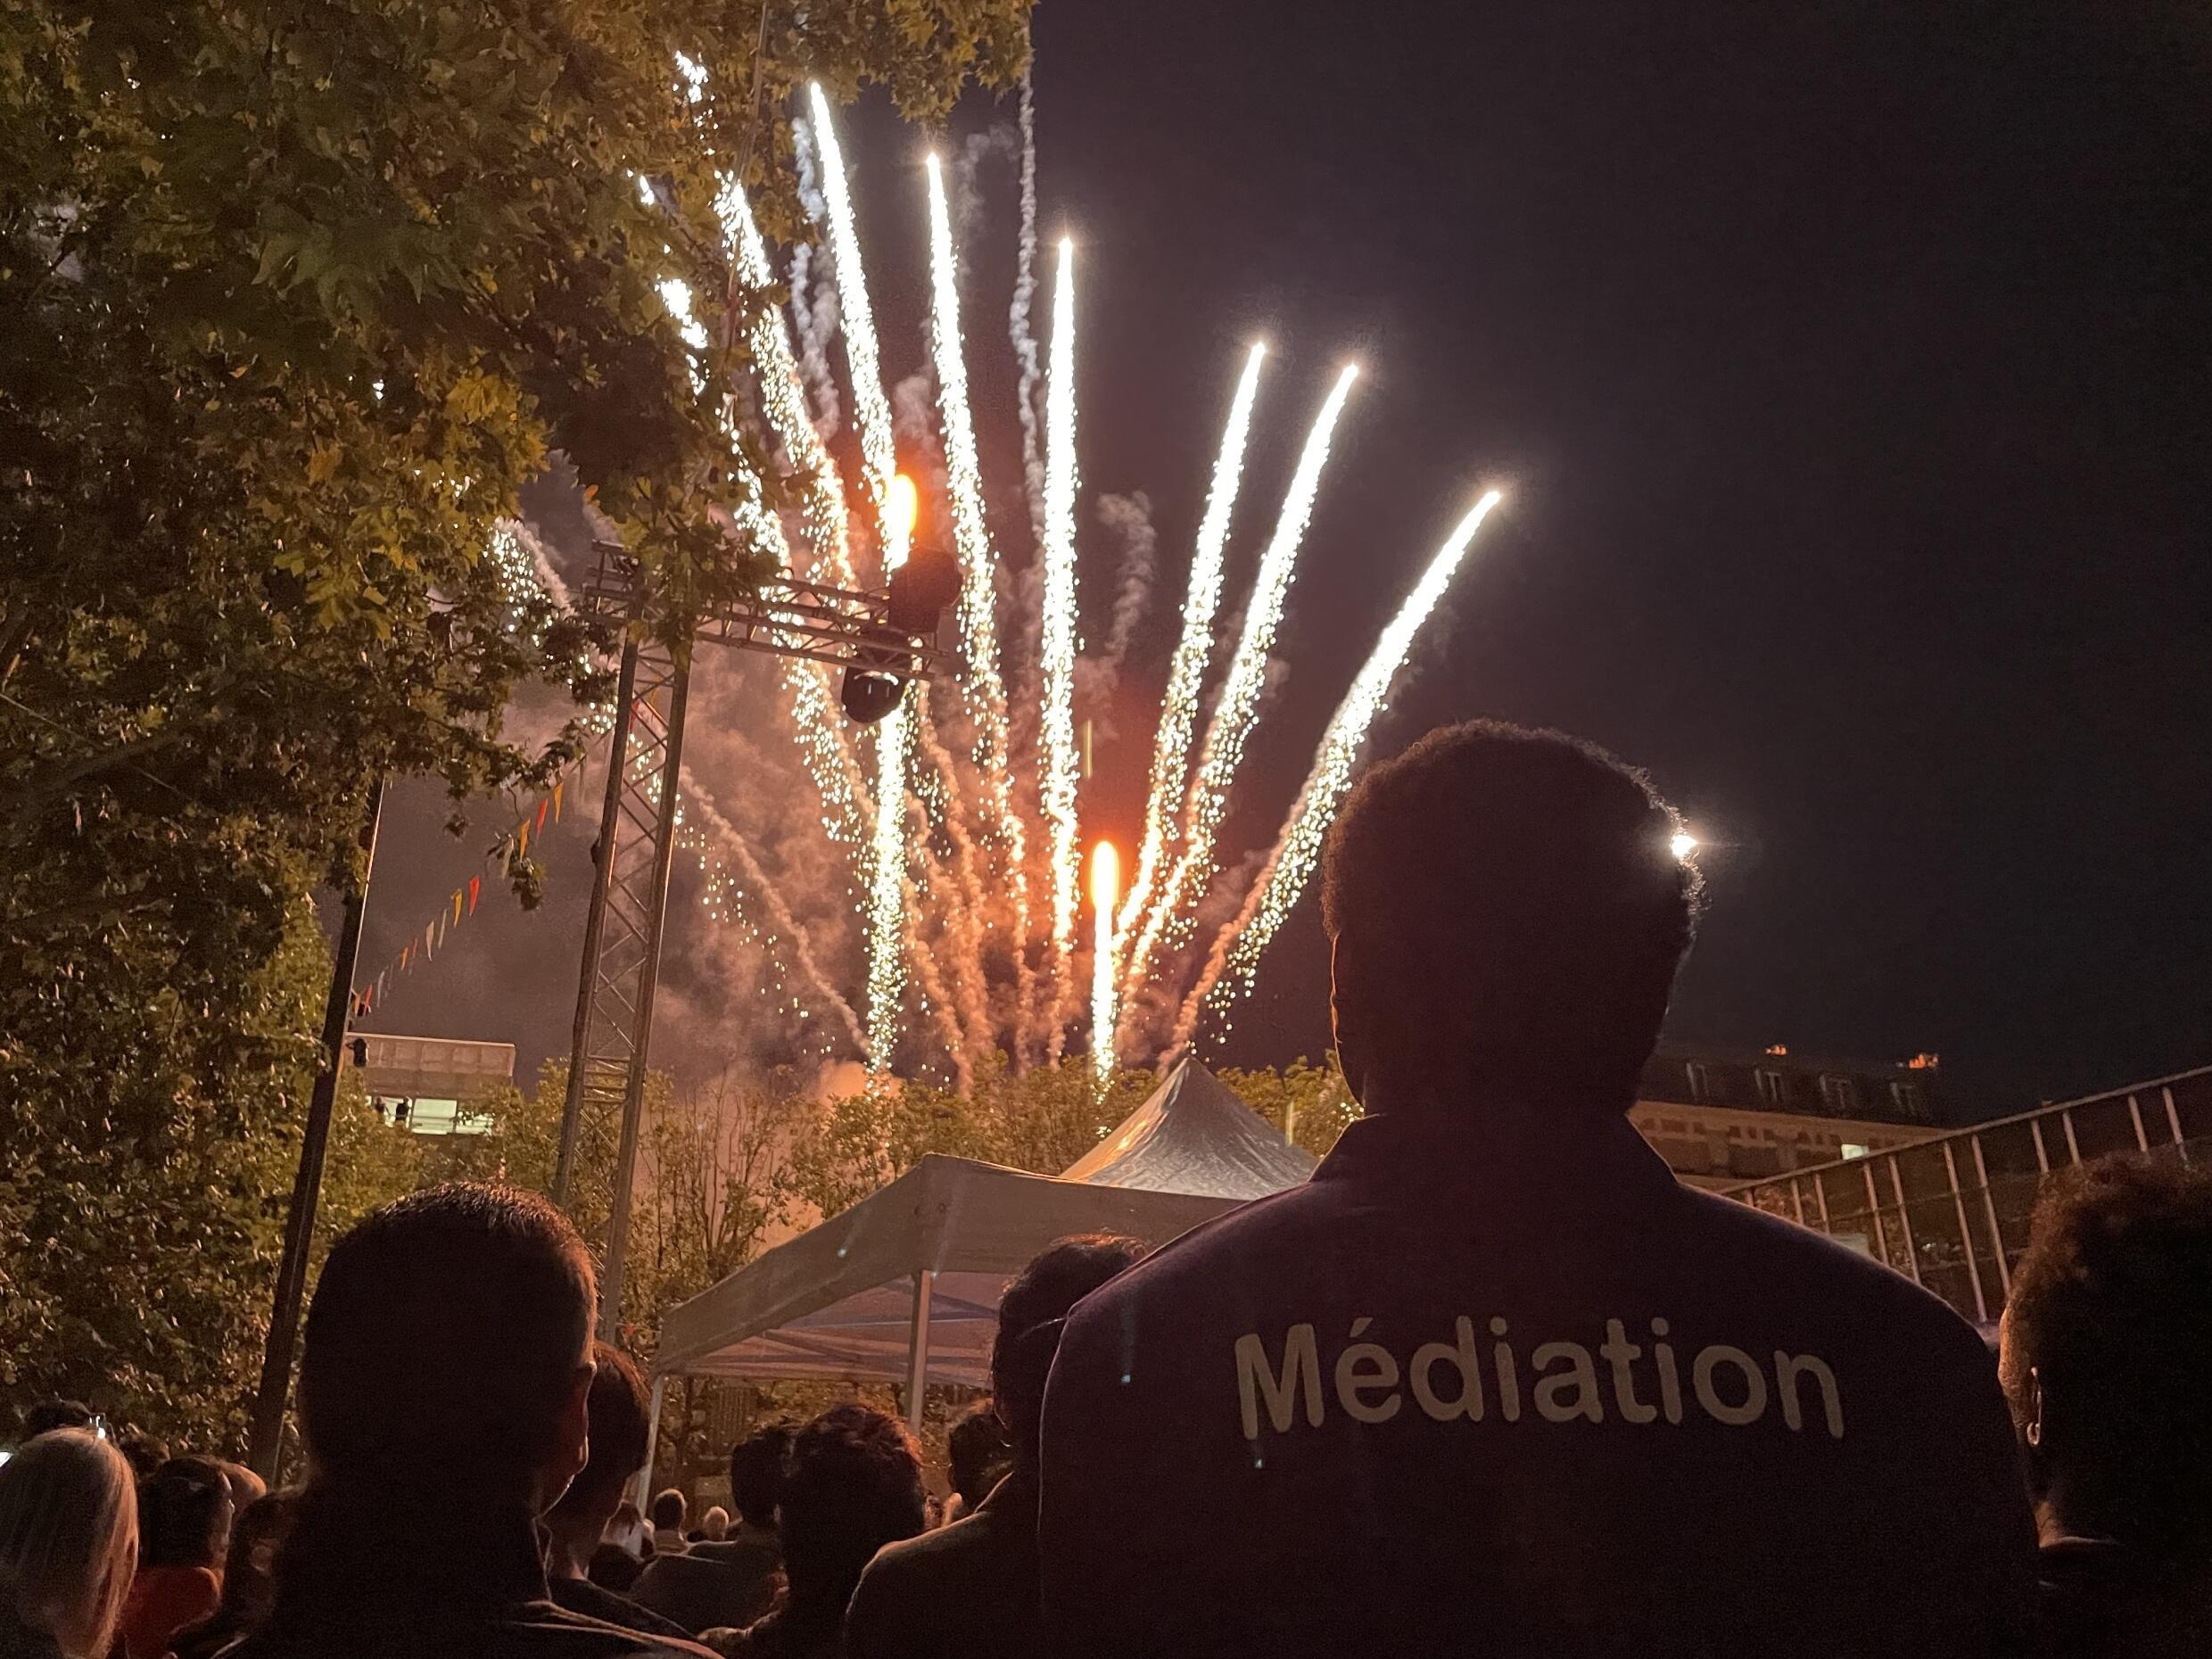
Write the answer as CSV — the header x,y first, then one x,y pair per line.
x,y
294,298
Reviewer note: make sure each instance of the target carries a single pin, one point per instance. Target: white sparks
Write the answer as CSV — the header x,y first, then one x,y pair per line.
x,y
1105,889
870,408
1179,709
1060,642
887,895
1236,709
783,396
1235,957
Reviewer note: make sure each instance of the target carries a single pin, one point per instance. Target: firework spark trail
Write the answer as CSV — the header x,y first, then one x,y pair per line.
x,y
847,800
1018,326
887,921
1060,642
870,408
1105,885
1236,957
1235,709
780,916
783,397
1178,712
964,921
979,595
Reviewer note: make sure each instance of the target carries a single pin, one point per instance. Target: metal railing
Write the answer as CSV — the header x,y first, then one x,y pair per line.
x,y
1951,1212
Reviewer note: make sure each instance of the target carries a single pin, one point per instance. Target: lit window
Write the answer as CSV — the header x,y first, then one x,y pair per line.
x,y
1851,1149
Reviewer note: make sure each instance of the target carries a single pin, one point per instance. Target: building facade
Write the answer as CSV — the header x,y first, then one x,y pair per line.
x,y
429,1085
1722,1116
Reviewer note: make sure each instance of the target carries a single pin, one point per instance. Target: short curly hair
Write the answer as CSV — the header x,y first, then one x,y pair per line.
x,y
2112,1307
853,1485
1512,910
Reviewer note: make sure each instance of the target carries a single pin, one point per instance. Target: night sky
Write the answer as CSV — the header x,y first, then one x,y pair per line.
x,y
1846,368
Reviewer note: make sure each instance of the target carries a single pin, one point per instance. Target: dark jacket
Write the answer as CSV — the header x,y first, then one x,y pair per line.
x,y
403,1579
713,1585
1294,1431
969,1590
596,1601
2104,1600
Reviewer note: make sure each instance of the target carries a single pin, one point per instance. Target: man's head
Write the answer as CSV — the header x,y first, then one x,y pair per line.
x,y
1506,912
668,1510
1029,1319
2105,1335
49,1414
185,1514
855,1485
449,1344
978,1450
618,1414
757,1465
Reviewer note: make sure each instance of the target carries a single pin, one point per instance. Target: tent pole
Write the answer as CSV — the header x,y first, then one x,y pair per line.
x,y
652,1443
918,1348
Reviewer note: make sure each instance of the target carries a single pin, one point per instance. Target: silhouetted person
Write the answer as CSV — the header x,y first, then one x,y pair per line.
x,y
184,1537
980,1454
249,1580
969,1590
69,1540
853,1485
2105,1337
620,1420
668,1513
623,1547
1492,1381
730,1583
445,1381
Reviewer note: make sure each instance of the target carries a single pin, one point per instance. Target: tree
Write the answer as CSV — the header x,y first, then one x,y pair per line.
x,y
1311,1098
294,299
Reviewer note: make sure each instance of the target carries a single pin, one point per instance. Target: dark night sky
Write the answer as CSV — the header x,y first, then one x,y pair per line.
x,y
1847,366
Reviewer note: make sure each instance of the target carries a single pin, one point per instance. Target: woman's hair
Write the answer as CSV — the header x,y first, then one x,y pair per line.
x,y
68,1538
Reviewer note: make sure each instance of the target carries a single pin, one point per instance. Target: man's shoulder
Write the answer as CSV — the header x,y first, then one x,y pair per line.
x,y
533,1630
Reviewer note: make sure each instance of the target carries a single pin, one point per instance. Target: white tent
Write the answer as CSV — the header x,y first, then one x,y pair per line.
x,y
904,1286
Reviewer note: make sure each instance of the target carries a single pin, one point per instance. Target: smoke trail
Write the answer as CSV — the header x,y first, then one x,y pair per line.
x,y
1018,315
1060,642
1235,957
760,886
1178,710
1232,720
936,999
1129,517
814,308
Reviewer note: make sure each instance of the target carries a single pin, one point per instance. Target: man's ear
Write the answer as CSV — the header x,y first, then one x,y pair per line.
x,y
572,1445
1352,1040
2033,1430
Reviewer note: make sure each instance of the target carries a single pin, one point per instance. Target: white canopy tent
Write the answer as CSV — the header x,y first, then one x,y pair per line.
x,y
904,1286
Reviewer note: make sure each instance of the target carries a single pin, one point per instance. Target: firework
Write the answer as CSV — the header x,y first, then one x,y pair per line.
x,y
1060,642
1237,708
1235,956
871,409
1105,889
1178,707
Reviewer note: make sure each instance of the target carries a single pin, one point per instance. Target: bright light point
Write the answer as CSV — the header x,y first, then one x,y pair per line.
x,y
1105,878
1683,844
1067,245
901,507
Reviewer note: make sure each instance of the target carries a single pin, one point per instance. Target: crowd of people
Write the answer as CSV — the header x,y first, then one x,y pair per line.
x,y
1490,1382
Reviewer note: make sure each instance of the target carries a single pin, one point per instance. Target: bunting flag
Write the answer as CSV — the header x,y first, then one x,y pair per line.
x,y
509,850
